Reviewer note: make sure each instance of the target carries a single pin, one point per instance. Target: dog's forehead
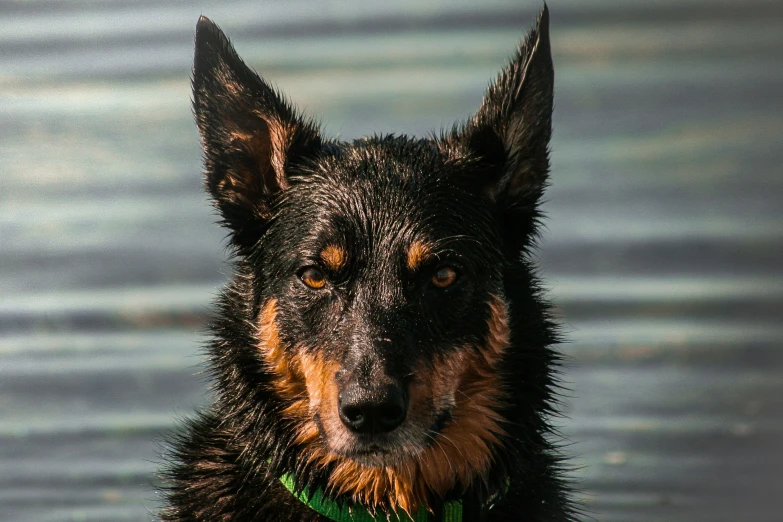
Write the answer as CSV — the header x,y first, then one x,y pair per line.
x,y
380,214
388,195
388,201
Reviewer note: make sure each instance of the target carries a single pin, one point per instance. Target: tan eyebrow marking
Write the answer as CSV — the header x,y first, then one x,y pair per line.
x,y
334,257
418,253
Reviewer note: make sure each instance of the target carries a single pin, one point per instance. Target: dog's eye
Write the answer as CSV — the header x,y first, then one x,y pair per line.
x,y
313,278
444,276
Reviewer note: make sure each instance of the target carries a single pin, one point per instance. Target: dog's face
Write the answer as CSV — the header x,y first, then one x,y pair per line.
x,y
378,267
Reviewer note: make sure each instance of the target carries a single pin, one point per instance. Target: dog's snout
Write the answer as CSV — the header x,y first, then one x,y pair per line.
x,y
371,410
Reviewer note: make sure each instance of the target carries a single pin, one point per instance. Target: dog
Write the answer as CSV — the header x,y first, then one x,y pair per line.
x,y
383,351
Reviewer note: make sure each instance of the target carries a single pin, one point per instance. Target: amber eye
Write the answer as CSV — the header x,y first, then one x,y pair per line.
x,y
313,278
445,276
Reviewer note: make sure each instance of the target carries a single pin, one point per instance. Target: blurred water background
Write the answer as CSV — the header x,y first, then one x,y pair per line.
x,y
664,245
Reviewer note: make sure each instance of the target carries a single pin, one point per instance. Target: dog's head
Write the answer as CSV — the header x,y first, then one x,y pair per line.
x,y
375,272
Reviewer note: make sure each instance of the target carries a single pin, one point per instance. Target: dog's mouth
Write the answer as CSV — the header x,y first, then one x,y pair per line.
x,y
373,450
388,449
377,455
373,455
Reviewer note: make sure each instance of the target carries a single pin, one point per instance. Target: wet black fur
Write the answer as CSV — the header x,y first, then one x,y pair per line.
x,y
284,193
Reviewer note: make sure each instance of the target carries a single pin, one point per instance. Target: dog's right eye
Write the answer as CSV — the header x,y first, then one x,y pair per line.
x,y
313,278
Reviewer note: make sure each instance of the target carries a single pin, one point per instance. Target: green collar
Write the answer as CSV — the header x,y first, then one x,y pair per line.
x,y
452,511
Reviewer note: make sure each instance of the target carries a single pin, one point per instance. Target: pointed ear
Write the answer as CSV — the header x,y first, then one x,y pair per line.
x,y
252,138
510,132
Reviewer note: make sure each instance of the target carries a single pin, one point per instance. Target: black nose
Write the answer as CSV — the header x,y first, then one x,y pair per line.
x,y
377,409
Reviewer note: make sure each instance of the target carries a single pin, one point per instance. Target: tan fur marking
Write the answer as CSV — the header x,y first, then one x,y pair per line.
x,y
305,380
334,257
418,253
460,454
287,382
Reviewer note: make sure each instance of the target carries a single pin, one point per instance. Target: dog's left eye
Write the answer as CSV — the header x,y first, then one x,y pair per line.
x,y
313,278
444,276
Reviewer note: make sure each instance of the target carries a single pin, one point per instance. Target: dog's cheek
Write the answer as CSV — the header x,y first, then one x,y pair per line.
x,y
284,380
463,449
303,379
433,389
319,375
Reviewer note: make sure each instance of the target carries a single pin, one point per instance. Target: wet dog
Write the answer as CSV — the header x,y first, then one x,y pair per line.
x,y
383,350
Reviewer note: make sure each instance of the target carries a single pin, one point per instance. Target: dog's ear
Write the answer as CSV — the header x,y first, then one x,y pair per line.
x,y
510,132
252,137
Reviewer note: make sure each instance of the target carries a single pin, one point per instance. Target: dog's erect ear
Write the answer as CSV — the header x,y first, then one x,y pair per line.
x,y
511,130
251,136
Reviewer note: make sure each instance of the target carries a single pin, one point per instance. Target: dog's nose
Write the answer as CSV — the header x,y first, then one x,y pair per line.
x,y
372,410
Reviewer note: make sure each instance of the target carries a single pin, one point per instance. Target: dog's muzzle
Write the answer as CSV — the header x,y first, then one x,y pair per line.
x,y
374,409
